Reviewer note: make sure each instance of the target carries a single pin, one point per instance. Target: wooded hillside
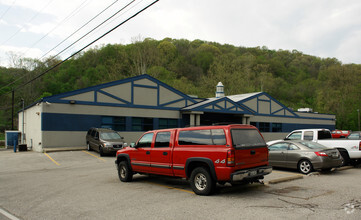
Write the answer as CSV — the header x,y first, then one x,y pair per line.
x,y
195,67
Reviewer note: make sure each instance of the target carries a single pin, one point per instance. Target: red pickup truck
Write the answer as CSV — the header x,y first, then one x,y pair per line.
x,y
203,155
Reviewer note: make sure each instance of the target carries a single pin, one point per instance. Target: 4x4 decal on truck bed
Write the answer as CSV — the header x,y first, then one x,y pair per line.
x,y
220,161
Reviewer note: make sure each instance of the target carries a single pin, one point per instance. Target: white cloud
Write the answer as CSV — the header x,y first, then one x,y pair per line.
x,y
326,28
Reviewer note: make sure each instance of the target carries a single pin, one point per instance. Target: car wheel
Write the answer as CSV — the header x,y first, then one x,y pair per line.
x,y
101,153
305,166
89,148
124,172
202,182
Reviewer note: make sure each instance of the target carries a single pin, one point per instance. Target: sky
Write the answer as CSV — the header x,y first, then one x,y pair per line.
x,y
43,28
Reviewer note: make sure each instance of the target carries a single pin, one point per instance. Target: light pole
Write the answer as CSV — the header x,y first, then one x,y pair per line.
x,y
358,117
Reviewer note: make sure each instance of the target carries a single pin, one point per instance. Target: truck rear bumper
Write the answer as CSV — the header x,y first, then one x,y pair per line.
x,y
253,173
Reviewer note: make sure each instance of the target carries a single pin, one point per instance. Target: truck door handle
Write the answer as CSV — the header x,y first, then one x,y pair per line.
x,y
148,152
165,153
253,152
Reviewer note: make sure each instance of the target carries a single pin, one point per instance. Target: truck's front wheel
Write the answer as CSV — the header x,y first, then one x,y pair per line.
x,y
124,172
202,182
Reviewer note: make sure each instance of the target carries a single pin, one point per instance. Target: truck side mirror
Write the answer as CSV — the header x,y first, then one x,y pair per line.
x,y
133,145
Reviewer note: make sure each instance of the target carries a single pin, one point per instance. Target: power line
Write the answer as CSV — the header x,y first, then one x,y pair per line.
x,y
93,29
22,27
79,29
111,30
76,10
6,11
77,40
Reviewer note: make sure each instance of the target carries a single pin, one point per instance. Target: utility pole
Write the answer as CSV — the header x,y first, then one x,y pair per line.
x,y
12,109
358,116
23,123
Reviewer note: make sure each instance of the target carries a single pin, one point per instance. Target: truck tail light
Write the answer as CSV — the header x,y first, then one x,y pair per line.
x,y
230,158
321,154
359,145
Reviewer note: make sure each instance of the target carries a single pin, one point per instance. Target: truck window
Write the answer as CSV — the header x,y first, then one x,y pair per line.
x,y
308,135
324,134
218,136
195,137
246,138
295,136
202,137
162,139
146,140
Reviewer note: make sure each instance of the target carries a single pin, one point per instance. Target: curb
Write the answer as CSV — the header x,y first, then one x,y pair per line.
x,y
345,168
285,179
60,149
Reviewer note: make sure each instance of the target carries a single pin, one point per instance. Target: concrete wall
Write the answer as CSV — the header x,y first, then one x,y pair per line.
x,y
32,127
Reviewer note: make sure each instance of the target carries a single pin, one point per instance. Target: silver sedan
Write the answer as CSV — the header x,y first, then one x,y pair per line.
x,y
305,156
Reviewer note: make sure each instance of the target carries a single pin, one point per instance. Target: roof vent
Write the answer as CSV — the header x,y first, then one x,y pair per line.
x,y
220,90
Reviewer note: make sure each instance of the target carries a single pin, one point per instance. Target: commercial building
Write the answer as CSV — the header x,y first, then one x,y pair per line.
x,y
137,104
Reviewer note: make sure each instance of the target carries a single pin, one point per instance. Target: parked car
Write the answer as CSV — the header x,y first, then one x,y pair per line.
x,y
340,133
104,140
305,156
349,149
355,135
203,155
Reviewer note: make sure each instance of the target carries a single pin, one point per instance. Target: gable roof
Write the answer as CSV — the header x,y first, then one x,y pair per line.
x,y
261,103
222,105
141,91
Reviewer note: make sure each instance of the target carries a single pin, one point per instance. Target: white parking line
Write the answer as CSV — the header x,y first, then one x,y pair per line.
x,y
8,215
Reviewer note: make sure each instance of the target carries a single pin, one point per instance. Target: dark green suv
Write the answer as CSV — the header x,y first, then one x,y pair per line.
x,y
104,140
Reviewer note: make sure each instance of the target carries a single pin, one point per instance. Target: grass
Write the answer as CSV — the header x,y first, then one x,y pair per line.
x,y
2,137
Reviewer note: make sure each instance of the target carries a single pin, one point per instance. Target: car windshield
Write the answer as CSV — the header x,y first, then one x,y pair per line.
x,y
109,135
313,145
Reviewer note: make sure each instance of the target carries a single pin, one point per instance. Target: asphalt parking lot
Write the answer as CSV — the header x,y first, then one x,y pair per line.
x,y
82,185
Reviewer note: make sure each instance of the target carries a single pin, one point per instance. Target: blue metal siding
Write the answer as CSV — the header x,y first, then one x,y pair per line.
x,y
69,122
76,122
288,127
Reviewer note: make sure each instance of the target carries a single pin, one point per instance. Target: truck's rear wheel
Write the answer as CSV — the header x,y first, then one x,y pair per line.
x,y
202,182
124,172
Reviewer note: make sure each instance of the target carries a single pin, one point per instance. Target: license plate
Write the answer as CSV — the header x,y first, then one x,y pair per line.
x,y
253,173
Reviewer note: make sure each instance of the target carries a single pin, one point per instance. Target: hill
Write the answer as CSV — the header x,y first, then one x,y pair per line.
x,y
195,67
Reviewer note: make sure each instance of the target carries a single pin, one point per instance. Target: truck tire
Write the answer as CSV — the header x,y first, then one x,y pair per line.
x,y
305,166
124,172
201,181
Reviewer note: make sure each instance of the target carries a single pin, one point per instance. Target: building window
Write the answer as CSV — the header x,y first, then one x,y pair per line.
x,y
115,123
167,123
276,127
264,127
142,124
